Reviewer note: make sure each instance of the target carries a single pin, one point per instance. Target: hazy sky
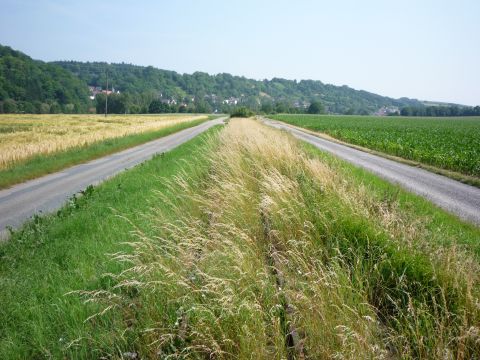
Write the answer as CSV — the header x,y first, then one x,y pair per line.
x,y
425,49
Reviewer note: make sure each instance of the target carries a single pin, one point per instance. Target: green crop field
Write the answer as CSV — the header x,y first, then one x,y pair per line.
x,y
446,143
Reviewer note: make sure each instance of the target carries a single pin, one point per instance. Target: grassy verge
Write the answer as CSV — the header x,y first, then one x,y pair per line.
x,y
54,255
447,229
45,164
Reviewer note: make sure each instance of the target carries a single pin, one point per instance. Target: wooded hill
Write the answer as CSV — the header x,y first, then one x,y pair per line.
x,y
224,91
32,86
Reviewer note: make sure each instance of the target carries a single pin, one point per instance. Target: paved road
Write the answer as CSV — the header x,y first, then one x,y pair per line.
x,y
50,192
457,198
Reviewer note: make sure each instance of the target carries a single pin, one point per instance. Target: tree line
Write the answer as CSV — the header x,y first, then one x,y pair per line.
x,y
452,110
122,104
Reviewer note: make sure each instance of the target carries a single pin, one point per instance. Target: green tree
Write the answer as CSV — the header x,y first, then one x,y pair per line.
x,y
100,103
158,107
9,106
117,103
406,111
134,109
267,107
316,107
55,108
281,107
201,106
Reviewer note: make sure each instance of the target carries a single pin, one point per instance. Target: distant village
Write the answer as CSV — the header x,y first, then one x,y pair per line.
x,y
387,111
230,101
95,90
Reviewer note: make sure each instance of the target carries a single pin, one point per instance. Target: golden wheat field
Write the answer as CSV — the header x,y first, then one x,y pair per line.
x,y
24,136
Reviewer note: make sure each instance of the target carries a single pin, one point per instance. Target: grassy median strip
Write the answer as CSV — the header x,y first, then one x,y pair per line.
x,y
56,254
43,164
279,252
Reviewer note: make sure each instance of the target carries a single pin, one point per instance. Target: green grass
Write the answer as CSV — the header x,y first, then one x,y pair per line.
x,y
46,164
446,143
414,286
56,254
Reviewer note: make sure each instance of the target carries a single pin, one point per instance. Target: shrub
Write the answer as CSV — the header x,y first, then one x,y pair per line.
x,y
9,106
242,112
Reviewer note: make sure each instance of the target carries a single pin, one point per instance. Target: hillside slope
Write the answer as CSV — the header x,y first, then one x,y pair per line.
x,y
222,91
33,86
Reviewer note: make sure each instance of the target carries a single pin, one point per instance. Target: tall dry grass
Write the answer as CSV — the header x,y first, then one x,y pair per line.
x,y
24,136
274,255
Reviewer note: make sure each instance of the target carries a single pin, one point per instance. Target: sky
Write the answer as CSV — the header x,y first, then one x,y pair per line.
x,y
424,49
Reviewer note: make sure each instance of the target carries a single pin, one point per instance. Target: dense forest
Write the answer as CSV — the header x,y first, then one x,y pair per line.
x,y
32,86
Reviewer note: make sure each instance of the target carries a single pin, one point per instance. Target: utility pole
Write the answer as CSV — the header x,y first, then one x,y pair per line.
x,y
106,95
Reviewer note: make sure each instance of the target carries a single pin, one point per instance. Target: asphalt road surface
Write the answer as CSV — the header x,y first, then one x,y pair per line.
x,y
50,192
453,196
